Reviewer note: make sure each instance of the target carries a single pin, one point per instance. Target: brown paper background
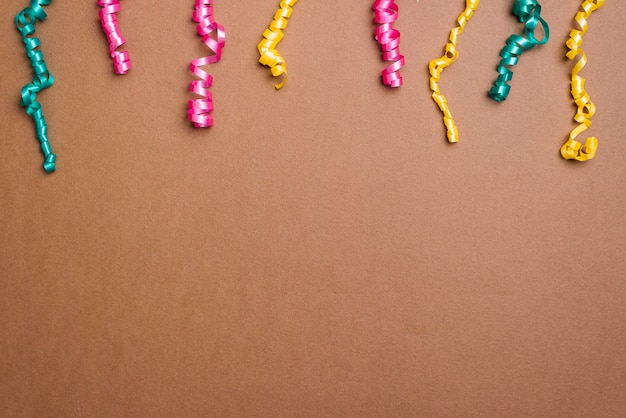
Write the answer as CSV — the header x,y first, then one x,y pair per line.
x,y
322,250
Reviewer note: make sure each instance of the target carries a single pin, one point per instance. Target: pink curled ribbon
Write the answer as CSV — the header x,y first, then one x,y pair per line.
x,y
108,20
386,12
214,37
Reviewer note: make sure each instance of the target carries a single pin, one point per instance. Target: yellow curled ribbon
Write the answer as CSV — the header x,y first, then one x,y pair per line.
x,y
572,149
271,37
437,65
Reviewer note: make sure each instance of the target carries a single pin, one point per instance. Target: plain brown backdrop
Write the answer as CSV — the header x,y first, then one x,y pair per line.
x,y
322,250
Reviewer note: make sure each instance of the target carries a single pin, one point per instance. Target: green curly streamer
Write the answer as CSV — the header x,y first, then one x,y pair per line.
x,y
528,12
25,23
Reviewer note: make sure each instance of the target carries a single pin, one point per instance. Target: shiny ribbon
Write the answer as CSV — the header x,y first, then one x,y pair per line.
x,y
437,65
25,23
386,12
529,13
572,149
108,20
214,37
271,37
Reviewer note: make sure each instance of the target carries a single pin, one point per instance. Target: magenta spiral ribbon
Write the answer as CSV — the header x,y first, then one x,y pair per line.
x,y
108,19
213,35
386,12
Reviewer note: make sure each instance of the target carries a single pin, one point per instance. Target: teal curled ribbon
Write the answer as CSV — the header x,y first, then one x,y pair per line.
x,y
25,23
529,13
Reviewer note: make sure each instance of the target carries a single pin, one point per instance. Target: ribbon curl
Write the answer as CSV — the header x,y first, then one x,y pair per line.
x,y
437,65
108,20
214,37
572,149
529,13
271,37
386,12
25,23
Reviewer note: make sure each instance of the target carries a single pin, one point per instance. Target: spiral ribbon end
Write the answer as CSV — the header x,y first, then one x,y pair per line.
x,y
121,62
574,150
49,164
282,83
452,130
499,92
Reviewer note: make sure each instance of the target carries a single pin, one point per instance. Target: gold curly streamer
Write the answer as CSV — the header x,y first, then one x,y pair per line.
x,y
572,149
271,37
437,65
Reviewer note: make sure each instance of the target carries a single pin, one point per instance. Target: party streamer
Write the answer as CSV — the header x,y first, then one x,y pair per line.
x,y
271,37
386,12
214,37
572,149
437,65
108,20
25,23
529,13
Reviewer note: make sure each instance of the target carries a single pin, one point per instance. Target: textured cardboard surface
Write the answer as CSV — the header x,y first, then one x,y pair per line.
x,y
322,250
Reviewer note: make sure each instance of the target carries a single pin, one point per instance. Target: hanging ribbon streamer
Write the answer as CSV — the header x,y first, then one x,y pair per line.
x,y
271,37
25,23
572,149
437,65
108,20
214,37
386,12
529,13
